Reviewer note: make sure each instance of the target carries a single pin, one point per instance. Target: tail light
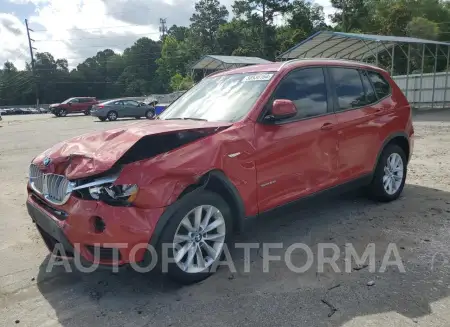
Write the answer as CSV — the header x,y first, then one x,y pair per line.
x,y
100,106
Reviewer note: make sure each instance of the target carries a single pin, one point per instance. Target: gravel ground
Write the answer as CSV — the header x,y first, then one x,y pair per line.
x,y
417,223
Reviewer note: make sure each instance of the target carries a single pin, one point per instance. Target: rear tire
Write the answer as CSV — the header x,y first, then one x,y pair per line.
x,y
112,116
390,174
137,117
199,240
88,111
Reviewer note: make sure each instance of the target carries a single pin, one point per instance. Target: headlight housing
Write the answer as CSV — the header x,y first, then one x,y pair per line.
x,y
104,189
125,192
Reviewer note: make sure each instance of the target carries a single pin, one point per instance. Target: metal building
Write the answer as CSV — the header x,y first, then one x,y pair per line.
x,y
210,63
417,74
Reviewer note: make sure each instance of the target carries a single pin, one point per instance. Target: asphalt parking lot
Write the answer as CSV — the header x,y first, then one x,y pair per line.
x,y
418,223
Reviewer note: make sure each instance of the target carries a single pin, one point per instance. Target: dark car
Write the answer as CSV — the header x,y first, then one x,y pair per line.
x,y
72,106
119,108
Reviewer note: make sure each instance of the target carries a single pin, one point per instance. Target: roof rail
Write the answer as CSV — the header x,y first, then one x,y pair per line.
x,y
288,62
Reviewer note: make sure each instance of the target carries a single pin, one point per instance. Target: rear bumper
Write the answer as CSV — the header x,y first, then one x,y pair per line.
x,y
126,233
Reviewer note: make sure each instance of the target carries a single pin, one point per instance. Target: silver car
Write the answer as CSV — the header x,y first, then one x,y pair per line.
x,y
120,108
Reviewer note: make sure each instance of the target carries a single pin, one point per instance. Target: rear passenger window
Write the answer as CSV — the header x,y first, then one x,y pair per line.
x,y
381,86
371,97
349,89
307,89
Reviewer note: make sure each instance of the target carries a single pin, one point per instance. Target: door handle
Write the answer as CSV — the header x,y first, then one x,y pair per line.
x,y
326,126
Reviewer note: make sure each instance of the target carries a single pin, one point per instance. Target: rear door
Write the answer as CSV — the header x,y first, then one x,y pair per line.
x,y
359,119
297,156
118,107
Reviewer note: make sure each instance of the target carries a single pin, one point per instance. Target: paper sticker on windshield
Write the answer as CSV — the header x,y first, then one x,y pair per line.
x,y
257,77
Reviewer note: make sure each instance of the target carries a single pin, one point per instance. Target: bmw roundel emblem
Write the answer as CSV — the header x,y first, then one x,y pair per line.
x,y
47,161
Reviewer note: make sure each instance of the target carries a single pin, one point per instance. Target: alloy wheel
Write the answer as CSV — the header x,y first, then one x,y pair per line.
x,y
112,116
393,173
199,239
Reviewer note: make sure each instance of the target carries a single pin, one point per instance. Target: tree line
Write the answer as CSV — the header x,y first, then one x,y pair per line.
x,y
261,28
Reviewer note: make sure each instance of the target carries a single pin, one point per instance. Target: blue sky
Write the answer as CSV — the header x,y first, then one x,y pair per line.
x,y
77,29
21,10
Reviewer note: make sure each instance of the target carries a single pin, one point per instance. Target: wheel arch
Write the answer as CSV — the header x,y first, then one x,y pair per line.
x,y
214,181
398,138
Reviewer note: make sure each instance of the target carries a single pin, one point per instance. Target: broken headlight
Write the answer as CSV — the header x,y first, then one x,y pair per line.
x,y
104,189
126,192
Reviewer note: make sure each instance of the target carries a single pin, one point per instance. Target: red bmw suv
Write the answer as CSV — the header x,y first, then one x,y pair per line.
x,y
73,106
240,143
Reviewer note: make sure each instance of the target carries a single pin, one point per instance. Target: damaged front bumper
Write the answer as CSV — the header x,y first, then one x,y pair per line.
x,y
97,232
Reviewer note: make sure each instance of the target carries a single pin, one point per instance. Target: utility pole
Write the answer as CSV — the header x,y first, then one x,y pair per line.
x,y
32,63
162,28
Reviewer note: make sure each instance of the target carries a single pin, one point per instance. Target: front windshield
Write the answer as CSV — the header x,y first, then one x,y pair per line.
x,y
222,98
67,101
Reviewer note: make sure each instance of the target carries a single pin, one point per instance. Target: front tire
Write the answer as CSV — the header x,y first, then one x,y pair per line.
x,y
196,235
62,113
390,174
112,116
150,114
102,118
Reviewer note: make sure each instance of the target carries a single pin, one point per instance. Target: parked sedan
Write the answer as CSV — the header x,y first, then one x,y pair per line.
x,y
119,108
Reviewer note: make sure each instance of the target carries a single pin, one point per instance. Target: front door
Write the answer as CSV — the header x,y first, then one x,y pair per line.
x,y
298,156
75,105
132,108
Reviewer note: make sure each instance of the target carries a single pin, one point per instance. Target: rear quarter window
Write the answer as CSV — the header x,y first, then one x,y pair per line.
x,y
381,86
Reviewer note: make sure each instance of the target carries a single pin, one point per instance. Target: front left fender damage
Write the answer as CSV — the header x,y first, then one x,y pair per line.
x,y
164,177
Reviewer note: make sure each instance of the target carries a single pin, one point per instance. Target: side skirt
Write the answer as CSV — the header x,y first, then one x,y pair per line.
x,y
332,191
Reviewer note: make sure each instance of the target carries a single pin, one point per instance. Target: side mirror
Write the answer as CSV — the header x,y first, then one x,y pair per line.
x,y
282,109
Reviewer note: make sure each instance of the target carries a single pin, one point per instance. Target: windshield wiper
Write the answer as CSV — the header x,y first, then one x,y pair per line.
x,y
186,118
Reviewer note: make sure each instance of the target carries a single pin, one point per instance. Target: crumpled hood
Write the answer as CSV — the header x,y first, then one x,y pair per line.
x,y
97,152
54,105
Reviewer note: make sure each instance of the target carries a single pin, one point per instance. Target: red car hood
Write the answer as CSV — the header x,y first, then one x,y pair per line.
x,y
94,153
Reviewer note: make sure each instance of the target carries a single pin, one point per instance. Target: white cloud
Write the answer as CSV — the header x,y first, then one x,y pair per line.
x,y
13,41
77,29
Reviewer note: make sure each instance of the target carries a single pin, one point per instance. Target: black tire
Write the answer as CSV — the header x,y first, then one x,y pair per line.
x,y
62,113
137,117
56,113
188,203
88,111
112,115
150,114
376,188
102,118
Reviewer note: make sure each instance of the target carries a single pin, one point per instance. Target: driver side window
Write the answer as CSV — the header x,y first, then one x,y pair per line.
x,y
306,88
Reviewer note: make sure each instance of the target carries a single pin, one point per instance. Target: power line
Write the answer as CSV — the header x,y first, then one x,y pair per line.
x,y
94,28
95,38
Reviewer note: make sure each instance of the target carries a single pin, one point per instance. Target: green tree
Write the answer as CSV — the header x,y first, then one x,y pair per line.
x,y
350,14
205,24
261,13
180,83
